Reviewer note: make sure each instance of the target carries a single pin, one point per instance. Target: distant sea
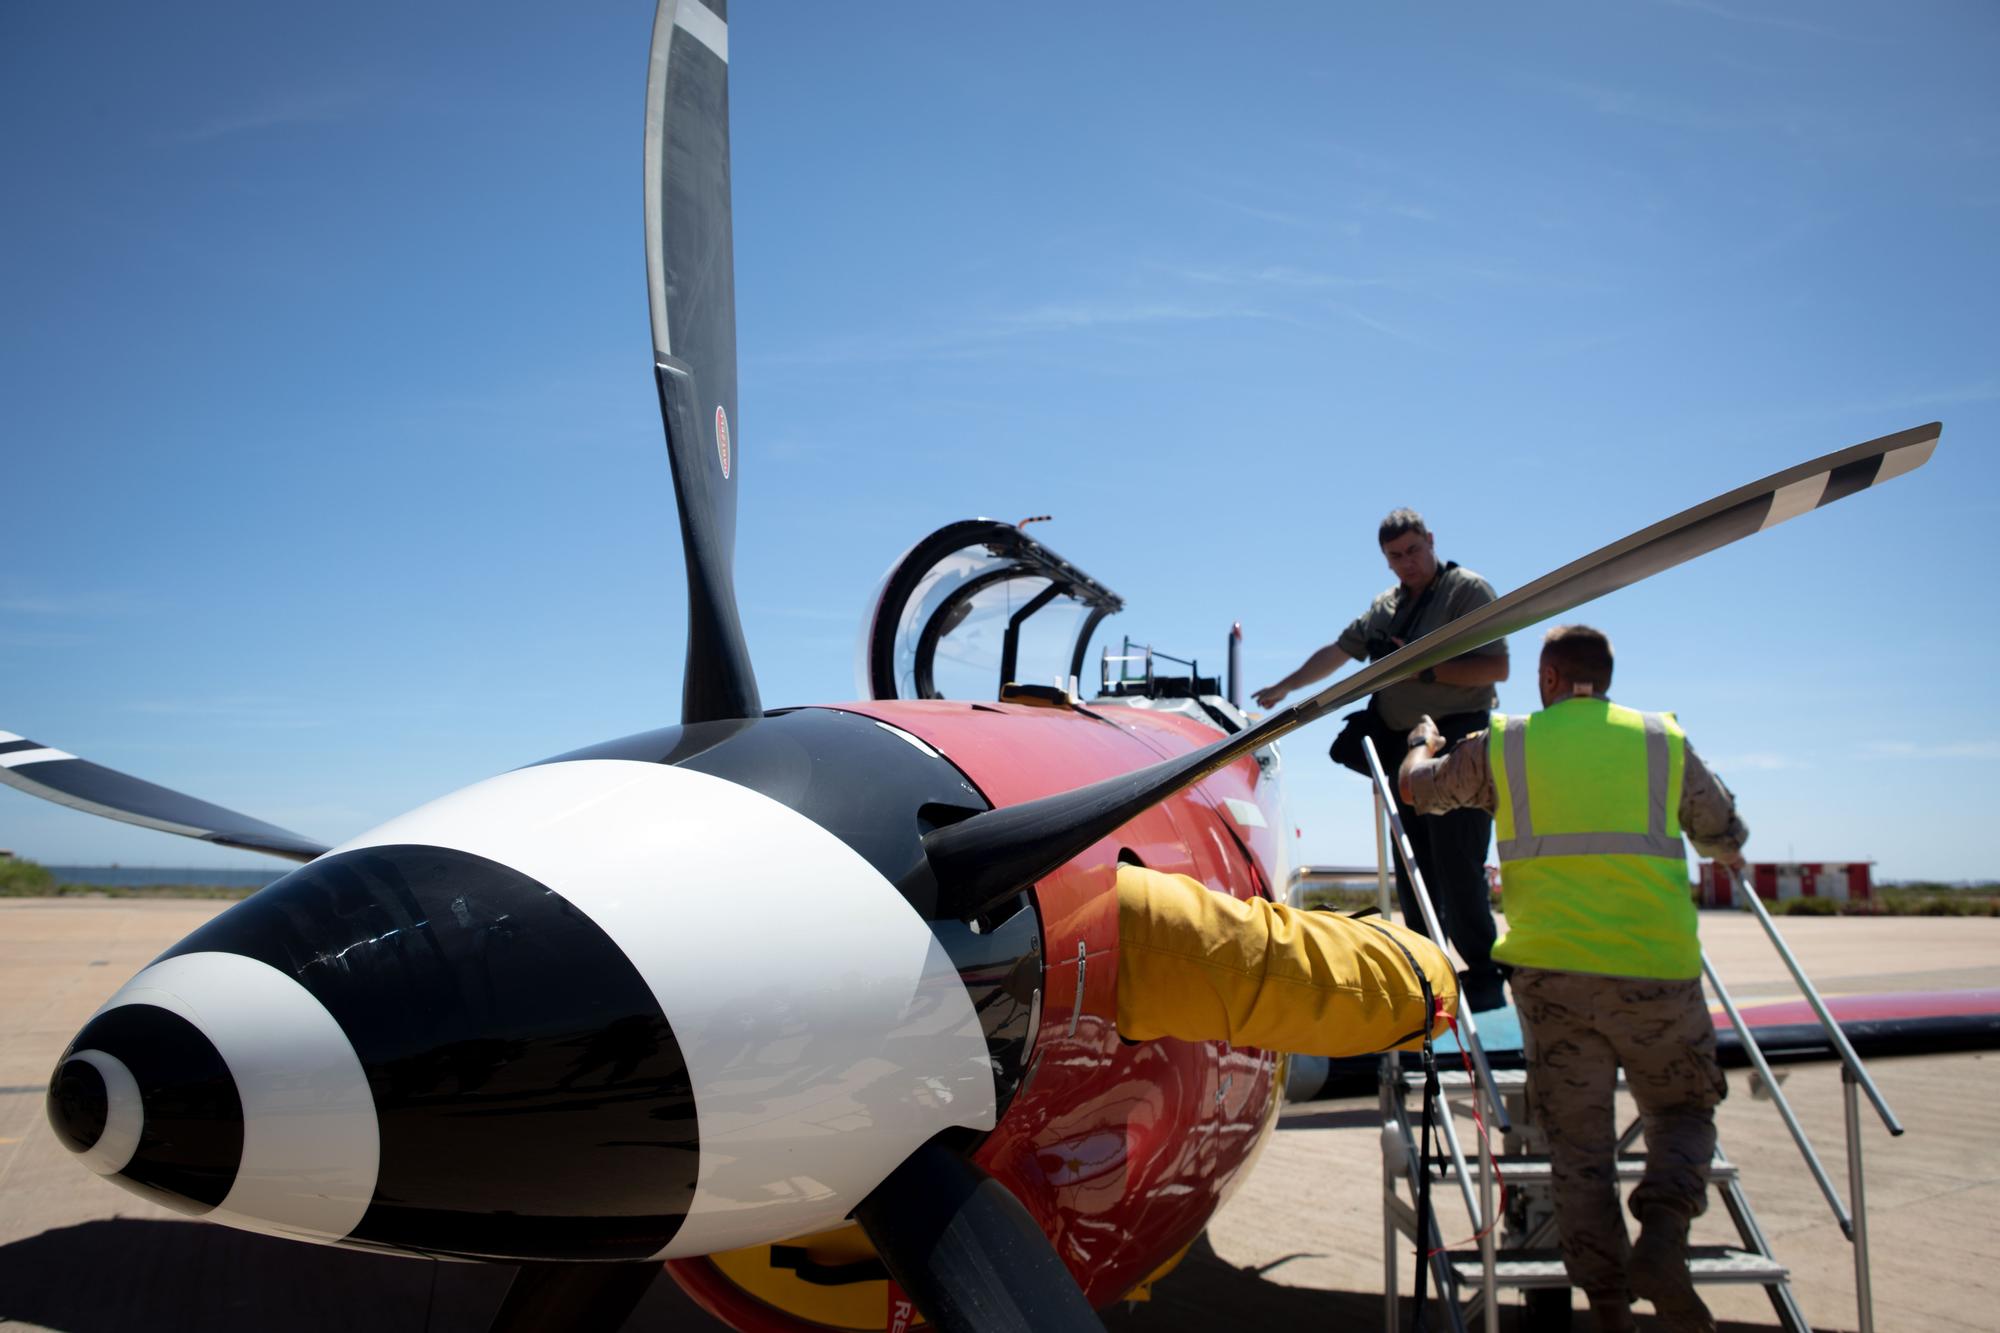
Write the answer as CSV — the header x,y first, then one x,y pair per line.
x,y
139,877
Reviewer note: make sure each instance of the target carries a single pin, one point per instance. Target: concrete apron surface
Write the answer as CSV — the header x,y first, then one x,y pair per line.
x,y
1298,1246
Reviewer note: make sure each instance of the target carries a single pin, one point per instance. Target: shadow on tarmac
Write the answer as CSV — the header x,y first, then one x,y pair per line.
x,y
1207,1293
192,1277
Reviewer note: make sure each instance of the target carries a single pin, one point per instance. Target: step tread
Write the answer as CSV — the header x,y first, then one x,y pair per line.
x,y
1502,1078
1544,1267
1507,1080
1535,1168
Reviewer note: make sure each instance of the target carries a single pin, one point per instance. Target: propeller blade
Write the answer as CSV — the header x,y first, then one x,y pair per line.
x,y
691,285
57,775
990,856
966,1251
577,1298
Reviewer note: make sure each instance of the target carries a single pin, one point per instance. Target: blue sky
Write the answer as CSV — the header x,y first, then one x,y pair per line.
x,y
333,463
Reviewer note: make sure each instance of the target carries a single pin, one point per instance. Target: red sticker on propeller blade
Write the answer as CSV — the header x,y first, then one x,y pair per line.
x,y
722,440
902,1310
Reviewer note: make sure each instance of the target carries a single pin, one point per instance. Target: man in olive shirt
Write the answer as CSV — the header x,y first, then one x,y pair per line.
x,y
1450,848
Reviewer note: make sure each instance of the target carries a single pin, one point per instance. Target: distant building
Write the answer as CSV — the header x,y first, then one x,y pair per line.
x,y
1842,881
1307,878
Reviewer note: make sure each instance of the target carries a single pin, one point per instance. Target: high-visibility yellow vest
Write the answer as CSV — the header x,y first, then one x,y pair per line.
x,y
1587,814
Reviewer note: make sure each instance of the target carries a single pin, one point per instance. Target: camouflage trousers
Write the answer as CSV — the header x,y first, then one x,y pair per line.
x,y
1578,1029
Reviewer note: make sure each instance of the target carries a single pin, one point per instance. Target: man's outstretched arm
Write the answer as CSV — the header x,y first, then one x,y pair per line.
x,y
1317,667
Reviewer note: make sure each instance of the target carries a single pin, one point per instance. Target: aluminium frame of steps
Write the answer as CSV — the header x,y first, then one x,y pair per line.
x,y
1535,1269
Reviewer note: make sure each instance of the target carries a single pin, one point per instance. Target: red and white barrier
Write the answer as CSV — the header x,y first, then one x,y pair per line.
x,y
1841,881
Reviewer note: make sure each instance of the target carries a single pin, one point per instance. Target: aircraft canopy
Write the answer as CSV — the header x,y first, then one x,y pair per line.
x,y
976,606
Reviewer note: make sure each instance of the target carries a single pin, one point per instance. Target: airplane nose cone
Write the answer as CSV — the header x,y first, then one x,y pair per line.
x,y
79,1105
588,1010
217,1086
144,1096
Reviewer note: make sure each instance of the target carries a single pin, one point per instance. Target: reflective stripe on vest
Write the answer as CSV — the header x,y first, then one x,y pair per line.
x,y
1597,883
1653,842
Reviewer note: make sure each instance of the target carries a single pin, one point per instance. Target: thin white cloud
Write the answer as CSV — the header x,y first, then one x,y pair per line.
x,y
235,712
1283,276
330,815
303,106
1272,215
1935,749
76,605
1628,104
1758,761
38,606
793,450
1064,316
1386,330
1886,404
1983,391
1762,20
1382,202
979,340
805,613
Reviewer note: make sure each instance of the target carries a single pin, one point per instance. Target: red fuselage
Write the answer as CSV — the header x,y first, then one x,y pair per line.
x,y
1121,1152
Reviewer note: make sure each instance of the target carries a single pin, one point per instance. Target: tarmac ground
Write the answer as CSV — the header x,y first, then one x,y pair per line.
x,y
1298,1246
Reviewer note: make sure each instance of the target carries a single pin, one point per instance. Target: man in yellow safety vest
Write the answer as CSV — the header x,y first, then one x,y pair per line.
x,y
1590,801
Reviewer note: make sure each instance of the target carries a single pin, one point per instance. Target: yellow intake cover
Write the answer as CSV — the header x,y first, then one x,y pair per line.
x,y
1206,966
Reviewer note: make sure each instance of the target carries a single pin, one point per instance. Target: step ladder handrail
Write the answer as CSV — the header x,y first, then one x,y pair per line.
x,y
1853,1075
1468,1028
1778,1099
1842,1047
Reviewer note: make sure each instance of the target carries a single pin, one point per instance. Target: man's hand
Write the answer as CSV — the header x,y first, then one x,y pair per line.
x,y
1734,860
1425,742
1321,664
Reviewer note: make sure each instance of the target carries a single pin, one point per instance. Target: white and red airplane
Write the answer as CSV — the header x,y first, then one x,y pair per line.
x,y
814,1005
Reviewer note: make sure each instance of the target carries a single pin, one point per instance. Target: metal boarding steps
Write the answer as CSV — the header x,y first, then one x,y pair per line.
x,y
1471,1280
1525,1259
1522,1257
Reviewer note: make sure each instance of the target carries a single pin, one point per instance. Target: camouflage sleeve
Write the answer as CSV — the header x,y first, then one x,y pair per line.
x,y
1708,810
1454,780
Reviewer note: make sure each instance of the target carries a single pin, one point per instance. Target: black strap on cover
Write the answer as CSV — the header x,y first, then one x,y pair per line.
x,y
1431,1089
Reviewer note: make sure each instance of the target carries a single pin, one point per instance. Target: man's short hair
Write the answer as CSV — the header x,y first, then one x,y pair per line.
x,y
1581,655
1399,522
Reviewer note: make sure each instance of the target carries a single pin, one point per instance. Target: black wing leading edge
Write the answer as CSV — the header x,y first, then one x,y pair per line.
x,y
991,855
691,287
57,775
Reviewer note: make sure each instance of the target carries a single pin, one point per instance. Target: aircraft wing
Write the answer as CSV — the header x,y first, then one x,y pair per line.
x,y
1877,1023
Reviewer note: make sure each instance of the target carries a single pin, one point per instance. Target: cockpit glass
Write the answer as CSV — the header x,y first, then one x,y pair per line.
x,y
940,621
945,581
971,644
